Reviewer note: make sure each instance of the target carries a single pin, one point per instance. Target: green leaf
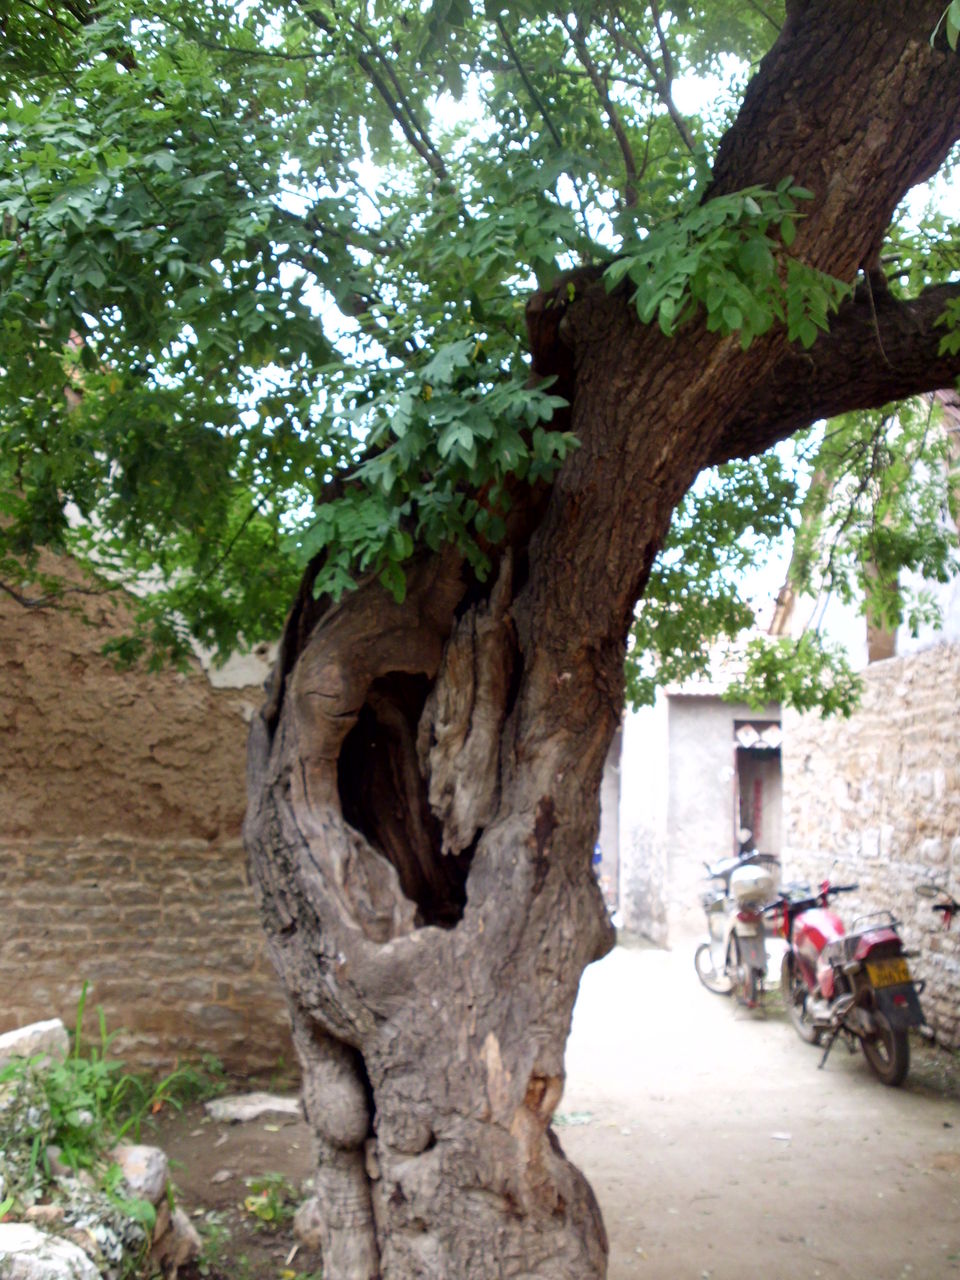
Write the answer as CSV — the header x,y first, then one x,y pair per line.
x,y
448,358
755,258
304,318
394,579
456,436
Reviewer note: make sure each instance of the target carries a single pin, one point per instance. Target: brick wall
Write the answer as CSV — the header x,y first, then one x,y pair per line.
x,y
876,799
166,936
121,799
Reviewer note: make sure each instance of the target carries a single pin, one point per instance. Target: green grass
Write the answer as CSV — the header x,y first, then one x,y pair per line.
x,y
84,1105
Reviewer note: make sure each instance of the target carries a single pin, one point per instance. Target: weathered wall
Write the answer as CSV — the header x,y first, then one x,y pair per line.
x,y
700,819
166,937
87,749
608,837
121,799
876,799
642,839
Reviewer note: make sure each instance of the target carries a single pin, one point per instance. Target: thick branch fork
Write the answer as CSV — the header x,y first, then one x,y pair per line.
x,y
424,781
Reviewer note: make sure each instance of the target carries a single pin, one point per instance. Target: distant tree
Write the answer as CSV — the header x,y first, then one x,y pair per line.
x,y
440,311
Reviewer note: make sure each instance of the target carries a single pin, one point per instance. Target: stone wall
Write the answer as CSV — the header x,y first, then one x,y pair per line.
x,y
876,800
121,799
164,934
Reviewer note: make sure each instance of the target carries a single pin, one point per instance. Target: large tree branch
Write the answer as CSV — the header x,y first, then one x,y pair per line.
x,y
879,349
49,599
528,84
857,106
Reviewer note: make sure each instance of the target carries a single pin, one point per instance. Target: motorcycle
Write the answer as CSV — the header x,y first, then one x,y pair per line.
x,y
734,959
855,984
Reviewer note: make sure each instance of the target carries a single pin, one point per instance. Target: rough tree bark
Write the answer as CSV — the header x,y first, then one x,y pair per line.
x,y
424,779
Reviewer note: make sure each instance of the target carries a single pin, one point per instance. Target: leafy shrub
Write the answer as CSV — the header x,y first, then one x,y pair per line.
x,y
82,1106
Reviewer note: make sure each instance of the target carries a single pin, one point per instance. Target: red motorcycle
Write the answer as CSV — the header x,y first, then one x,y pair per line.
x,y
857,984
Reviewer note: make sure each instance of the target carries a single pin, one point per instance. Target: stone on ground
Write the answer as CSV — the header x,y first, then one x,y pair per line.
x,y
308,1223
48,1037
145,1170
29,1254
249,1106
177,1246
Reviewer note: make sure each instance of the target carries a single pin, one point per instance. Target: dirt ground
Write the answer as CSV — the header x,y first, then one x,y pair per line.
x,y
716,1148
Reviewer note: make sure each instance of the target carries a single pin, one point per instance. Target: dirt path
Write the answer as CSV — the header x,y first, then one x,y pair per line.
x,y
717,1149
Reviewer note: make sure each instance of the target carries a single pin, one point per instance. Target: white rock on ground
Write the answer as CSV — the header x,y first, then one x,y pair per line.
x,y
48,1037
145,1170
248,1106
29,1254
59,1168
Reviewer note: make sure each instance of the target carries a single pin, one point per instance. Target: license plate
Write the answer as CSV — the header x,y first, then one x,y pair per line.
x,y
888,973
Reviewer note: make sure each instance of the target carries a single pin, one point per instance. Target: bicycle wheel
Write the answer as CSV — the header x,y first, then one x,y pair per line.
x,y
713,979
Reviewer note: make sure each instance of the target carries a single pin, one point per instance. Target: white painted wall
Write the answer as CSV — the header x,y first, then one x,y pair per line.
x,y
608,872
644,786
241,670
677,809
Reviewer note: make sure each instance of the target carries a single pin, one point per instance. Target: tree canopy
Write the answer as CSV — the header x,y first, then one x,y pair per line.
x,y
263,275
445,312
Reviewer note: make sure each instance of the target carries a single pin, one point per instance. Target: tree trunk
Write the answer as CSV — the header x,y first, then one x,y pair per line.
x,y
424,779
431,1029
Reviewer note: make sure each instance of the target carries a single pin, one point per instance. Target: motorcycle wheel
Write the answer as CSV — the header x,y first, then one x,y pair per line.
x,y
794,993
743,978
888,1053
716,982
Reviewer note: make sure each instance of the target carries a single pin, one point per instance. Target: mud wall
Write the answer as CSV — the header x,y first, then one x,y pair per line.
x,y
121,800
164,934
876,800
